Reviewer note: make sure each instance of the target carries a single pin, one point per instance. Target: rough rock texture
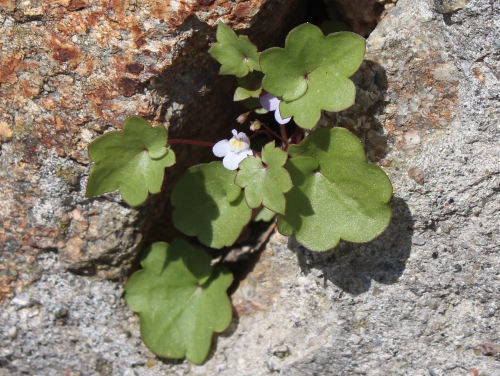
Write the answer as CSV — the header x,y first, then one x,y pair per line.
x,y
72,69
422,299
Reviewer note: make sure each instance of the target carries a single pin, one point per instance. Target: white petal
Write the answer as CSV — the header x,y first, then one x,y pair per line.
x,y
221,148
269,102
243,137
278,117
247,152
235,133
232,160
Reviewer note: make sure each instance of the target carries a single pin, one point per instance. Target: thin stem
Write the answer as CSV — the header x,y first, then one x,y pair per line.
x,y
275,134
283,133
297,135
191,142
262,131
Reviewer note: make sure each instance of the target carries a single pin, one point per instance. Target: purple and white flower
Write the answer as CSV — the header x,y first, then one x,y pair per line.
x,y
234,150
272,103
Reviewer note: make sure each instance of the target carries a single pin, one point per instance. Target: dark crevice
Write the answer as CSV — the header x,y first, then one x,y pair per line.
x,y
316,12
447,19
362,15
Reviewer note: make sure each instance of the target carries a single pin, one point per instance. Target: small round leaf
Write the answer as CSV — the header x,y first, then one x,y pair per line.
x,y
287,69
132,160
264,215
249,86
181,300
337,194
237,54
337,95
265,184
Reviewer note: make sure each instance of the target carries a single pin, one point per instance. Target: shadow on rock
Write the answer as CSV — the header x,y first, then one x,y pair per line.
x,y
351,266
362,118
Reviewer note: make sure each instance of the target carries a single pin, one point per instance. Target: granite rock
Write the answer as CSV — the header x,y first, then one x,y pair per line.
x,y
422,299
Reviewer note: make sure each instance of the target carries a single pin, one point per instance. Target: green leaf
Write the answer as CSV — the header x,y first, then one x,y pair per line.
x,y
290,71
265,185
338,95
205,205
132,160
237,54
251,103
337,194
250,86
264,215
181,300
233,192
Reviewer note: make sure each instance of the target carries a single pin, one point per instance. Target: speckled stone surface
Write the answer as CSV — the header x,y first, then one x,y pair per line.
x,y
422,299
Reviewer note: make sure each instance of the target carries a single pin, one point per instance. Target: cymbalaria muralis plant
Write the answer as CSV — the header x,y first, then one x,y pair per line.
x,y
321,187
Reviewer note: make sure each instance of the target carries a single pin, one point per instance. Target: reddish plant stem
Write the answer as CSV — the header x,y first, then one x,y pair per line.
x,y
297,135
262,131
283,133
191,142
275,134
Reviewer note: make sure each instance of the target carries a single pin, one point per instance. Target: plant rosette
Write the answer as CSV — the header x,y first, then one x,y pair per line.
x,y
321,189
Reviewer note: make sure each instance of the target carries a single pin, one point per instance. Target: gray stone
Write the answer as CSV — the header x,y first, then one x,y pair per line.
x,y
12,332
428,96
449,6
21,301
355,339
417,240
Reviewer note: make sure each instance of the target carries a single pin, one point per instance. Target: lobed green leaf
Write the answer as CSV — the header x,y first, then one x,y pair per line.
x,y
181,300
236,54
132,161
327,90
306,49
265,185
337,194
249,86
208,204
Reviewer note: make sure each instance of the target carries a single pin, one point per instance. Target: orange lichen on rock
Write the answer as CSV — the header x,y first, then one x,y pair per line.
x,y
8,68
63,52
